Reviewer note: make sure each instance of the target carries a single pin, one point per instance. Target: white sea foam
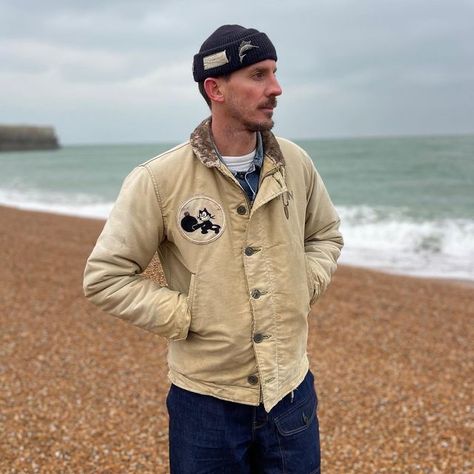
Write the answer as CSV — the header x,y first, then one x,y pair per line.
x,y
391,241
385,239
82,205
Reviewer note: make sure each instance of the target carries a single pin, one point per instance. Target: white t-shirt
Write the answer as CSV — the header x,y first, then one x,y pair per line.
x,y
239,164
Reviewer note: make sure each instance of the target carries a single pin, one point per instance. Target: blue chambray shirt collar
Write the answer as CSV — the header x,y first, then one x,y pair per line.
x,y
258,158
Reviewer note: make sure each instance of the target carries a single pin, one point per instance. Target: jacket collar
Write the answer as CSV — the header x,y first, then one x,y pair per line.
x,y
204,148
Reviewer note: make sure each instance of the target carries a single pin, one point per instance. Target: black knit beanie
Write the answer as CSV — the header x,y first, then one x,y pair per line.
x,y
229,48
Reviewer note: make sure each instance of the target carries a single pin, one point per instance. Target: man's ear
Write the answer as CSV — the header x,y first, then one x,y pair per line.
x,y
212,86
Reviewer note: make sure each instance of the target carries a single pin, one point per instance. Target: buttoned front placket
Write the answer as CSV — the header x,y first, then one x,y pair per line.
x,y
256,257
258,274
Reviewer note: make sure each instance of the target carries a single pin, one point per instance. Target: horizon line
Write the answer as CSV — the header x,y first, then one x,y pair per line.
x,y
335,137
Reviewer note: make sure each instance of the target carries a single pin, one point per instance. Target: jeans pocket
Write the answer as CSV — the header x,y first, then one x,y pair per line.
x,y
298,437
299,418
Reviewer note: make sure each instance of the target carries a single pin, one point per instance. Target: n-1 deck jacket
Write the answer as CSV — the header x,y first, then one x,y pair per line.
x,y
241,277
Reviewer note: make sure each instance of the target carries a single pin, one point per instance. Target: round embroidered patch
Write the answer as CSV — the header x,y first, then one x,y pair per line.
x,y
201,220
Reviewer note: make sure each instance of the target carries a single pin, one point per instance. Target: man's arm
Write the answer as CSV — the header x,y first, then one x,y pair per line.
x,y
323,241
130,238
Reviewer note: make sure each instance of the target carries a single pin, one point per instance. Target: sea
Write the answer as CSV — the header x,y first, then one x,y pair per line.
x,y
406,203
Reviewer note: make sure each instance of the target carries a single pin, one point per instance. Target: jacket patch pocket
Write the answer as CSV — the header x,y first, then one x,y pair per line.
x,y
201,220
192,302
309,280
191,291
298,418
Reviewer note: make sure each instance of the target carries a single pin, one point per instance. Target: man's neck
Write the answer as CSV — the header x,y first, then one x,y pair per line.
x,y
231,141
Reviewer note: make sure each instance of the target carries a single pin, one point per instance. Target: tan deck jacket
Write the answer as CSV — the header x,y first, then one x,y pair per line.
x,y
241,278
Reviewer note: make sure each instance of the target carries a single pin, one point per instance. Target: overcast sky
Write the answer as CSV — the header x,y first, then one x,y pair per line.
x,y
114,71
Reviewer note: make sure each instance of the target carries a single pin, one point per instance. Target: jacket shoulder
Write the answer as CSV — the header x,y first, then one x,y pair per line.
x,y
170,158
295,155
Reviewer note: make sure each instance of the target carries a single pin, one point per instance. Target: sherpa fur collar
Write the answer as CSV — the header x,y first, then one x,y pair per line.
x,y
203,146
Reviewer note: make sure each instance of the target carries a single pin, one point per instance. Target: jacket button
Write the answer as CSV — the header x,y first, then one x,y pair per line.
x,y
256,294
241,210
252,379
249,251
258,338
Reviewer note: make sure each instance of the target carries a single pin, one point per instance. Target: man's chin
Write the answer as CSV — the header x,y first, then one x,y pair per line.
x,y
264,126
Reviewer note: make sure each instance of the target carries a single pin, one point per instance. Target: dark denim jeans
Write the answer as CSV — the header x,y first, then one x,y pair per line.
x,y
208,435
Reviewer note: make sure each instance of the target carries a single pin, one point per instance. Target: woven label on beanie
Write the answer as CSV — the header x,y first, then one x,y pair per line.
x,y
215,60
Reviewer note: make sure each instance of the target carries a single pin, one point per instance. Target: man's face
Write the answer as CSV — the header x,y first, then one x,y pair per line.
x,y
250,96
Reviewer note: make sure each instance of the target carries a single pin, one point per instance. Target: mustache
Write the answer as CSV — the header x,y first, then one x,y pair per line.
x,y
271,102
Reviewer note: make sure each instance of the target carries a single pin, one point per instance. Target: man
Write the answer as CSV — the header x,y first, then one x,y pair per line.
x,y
248,239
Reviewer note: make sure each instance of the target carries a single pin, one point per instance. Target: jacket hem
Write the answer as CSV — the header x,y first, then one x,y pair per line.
x,y
229,393
288,386
237,394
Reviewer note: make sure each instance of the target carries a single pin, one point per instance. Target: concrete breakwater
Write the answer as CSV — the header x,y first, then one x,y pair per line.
x,y
27,137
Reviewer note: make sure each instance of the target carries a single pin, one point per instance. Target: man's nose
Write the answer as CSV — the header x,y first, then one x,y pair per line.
x,y
274,87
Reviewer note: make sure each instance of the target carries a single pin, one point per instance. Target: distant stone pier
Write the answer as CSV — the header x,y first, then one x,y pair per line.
x,y
27,137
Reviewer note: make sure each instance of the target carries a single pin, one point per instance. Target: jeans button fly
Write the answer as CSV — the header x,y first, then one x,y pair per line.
x,y
258,338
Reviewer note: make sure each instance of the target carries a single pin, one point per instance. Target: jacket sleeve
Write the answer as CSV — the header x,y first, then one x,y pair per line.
x,y
130,238
323,241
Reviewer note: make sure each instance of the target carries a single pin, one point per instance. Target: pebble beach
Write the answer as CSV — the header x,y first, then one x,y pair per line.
x,y
83,392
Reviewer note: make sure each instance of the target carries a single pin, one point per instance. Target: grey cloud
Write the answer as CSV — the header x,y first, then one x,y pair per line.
x,y
347,66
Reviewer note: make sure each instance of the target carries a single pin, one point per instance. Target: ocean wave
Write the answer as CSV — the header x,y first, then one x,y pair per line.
x,y
387,239
78,204
392,240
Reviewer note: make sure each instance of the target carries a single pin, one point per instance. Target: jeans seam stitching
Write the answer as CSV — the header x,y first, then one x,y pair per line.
x,y
281,451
